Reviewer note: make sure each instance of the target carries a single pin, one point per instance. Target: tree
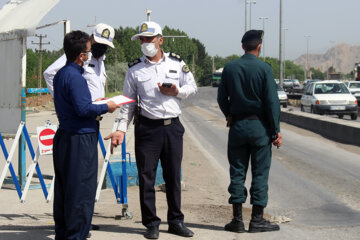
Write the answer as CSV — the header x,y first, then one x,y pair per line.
x,y
317,74
32,65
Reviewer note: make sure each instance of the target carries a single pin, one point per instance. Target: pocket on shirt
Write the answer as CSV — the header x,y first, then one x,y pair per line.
x,y
172,78
146,85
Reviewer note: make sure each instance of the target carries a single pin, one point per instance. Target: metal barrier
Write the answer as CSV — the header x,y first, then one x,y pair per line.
x,y
35,165
120,187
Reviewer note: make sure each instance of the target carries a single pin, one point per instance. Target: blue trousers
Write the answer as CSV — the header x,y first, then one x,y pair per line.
x,y
75,159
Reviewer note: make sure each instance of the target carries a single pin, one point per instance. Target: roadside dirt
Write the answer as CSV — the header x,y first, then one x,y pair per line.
x,y
42,102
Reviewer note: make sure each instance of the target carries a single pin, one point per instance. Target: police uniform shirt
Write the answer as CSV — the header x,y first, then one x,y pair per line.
x,y
94,74
142,80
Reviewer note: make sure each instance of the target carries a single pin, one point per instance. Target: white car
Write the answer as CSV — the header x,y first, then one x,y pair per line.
x,y
283,98
329,97
354,87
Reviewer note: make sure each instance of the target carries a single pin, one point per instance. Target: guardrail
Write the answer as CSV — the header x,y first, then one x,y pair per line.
x,y
346,132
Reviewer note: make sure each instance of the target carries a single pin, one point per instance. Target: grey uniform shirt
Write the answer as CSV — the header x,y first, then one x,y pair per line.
x,y
142,80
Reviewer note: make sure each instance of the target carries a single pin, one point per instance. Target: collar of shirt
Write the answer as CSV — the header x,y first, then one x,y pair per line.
x,y
92,59
76,66
249,55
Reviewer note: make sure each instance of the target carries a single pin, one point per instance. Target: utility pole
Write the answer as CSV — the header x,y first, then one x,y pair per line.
x,y
281,74
193,64
213,64
263,41
246,3
251,2
332,59
40,43
284,68
148,12
307,55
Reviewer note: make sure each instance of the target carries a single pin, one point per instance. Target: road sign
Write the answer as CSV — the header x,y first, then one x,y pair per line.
x,y
45,138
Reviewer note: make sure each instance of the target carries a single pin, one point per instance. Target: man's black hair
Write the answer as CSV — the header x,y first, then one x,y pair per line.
x,y
74,44
252,39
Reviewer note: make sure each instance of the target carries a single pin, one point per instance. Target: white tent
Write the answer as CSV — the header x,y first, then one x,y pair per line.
x,y
19,20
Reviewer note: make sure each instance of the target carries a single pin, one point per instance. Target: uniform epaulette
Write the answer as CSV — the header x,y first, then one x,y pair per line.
x,y
176,56
133,63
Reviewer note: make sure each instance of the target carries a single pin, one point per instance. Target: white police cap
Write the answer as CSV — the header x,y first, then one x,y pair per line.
x,y
104,34
148,29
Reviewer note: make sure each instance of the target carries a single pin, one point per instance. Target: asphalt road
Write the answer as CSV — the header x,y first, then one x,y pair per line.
x,y
313,181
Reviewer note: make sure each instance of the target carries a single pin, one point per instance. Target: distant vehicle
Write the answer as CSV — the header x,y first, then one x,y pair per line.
x,y
308,81
293,86
329,97
354,87
282,96
216,77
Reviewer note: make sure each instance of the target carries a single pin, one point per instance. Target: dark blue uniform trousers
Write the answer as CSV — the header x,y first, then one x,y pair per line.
x,y
75,161
154,141
249,140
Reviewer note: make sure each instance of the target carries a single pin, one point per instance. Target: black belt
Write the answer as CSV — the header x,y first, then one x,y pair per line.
x,y
158,122
244,117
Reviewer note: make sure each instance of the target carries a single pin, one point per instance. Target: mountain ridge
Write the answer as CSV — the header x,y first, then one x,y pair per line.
x,y
342,57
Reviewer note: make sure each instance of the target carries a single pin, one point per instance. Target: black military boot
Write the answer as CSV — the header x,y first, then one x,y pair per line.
x,y
236,224
258,223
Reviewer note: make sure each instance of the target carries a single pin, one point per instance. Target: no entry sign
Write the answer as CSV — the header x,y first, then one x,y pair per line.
x,y
45,138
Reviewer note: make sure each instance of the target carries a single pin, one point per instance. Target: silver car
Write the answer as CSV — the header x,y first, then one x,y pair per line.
x,y
283,98
329,97
354,87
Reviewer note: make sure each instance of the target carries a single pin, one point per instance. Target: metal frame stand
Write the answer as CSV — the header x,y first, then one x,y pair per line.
x,y
120,187
22,132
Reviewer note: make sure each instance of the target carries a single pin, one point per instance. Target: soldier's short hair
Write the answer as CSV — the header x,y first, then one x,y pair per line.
x,y
252,39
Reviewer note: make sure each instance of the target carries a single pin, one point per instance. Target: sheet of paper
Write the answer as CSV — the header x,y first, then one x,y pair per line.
x,y
119,99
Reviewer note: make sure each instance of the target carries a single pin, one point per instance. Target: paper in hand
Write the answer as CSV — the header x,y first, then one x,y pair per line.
x,y
119,100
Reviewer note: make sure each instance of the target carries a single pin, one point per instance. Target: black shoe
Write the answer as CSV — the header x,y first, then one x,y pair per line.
x,y
262,225
180,229
88,236
95,227
152,232
235,226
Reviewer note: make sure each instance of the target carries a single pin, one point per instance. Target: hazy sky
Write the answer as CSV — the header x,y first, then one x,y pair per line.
x,y
220,24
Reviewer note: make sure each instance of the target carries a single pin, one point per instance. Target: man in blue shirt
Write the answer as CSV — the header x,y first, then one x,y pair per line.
x,y
75,143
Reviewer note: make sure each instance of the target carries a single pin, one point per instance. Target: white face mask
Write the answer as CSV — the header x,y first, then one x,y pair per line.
x,y
149,49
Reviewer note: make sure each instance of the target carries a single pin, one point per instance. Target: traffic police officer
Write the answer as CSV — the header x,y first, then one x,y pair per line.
x,y
159,81
75,142
95,75
248,98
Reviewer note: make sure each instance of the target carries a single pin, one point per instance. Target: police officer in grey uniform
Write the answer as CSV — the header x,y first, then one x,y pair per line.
x,y
248,98
160,81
